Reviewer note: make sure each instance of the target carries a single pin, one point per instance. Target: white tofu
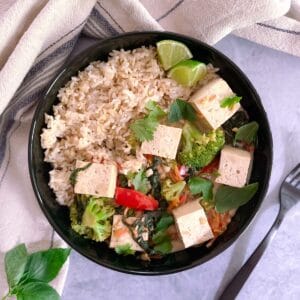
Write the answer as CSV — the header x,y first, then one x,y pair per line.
x,y
98,179
207,100
192,224
121,235
234,168
165,142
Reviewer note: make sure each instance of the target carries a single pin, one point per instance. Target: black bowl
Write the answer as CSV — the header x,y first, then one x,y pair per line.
x,y
58,215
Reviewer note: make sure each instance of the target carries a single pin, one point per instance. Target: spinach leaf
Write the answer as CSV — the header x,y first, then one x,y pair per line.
x,y
165,221
164,247
37,291
202,186
228,197
45,265
124,250
247,133
181,109
230,101
74,174
15,261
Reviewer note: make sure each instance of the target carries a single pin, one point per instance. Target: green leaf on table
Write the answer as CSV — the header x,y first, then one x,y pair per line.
x,y
144,128
45,265
37,291
230,101
124,249
247,133
15,262
141,182
181,109
228,197
201,186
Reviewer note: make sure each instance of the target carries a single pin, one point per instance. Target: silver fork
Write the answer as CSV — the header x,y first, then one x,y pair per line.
x,y
289,195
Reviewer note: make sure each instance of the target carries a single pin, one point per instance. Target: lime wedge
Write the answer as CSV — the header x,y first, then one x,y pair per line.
x,y
188,72
171,53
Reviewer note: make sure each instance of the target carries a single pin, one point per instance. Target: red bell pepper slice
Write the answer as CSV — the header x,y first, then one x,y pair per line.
x,y
134,199
212,167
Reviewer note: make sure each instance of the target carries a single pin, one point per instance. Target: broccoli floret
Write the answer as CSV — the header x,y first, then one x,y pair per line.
x,y
171,191
199,149
91,217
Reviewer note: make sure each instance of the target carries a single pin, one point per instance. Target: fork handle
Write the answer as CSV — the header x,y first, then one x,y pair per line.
x,y
236,284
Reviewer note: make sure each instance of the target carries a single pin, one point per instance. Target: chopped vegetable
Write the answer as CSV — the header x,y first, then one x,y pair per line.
x,y
91,217
124,250
199,149
230,101
228,197
73,176
141,182
171,191
247,133
181,110
211,168
201,186
155,178
134,199
144,129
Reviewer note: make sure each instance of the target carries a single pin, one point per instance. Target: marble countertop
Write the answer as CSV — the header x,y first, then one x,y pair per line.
x,y
276,76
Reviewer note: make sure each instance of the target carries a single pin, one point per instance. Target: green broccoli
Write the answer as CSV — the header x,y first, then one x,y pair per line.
x,y
91,217
199,149
171,191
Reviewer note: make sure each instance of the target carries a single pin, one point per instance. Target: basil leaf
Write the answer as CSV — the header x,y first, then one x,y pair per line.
x,y
45,265
181,109
202,186
230,101
124,249
15,262
37,291
228,197
141,182
74,174
164,247
164,222
247,133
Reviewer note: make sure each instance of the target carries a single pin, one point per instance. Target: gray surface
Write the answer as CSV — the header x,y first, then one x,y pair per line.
x,y
276,77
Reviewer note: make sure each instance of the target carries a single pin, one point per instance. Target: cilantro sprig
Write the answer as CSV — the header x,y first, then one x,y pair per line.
x,y
181,109
144,128
28,275
140,181
124,249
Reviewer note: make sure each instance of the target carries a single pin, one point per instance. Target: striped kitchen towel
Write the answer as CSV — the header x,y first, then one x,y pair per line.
x,y
36,38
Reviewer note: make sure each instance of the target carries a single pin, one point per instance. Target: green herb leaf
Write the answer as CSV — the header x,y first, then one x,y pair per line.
x,y
74,174
202,186
164,248
155,111
144,129
37,291
124,250
164,222
15,262
141,182
228,197
45,265
181,109
247,133
230,101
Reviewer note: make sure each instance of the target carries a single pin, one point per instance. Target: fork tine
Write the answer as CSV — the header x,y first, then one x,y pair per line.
x,y
293,174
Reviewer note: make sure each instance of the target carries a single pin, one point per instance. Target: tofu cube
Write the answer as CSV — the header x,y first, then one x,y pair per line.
x,y
192,224
121,235
234,168
165,142
207,100
98,179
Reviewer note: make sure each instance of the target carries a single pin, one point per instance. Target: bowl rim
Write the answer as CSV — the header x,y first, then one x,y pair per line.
x,y
200,260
